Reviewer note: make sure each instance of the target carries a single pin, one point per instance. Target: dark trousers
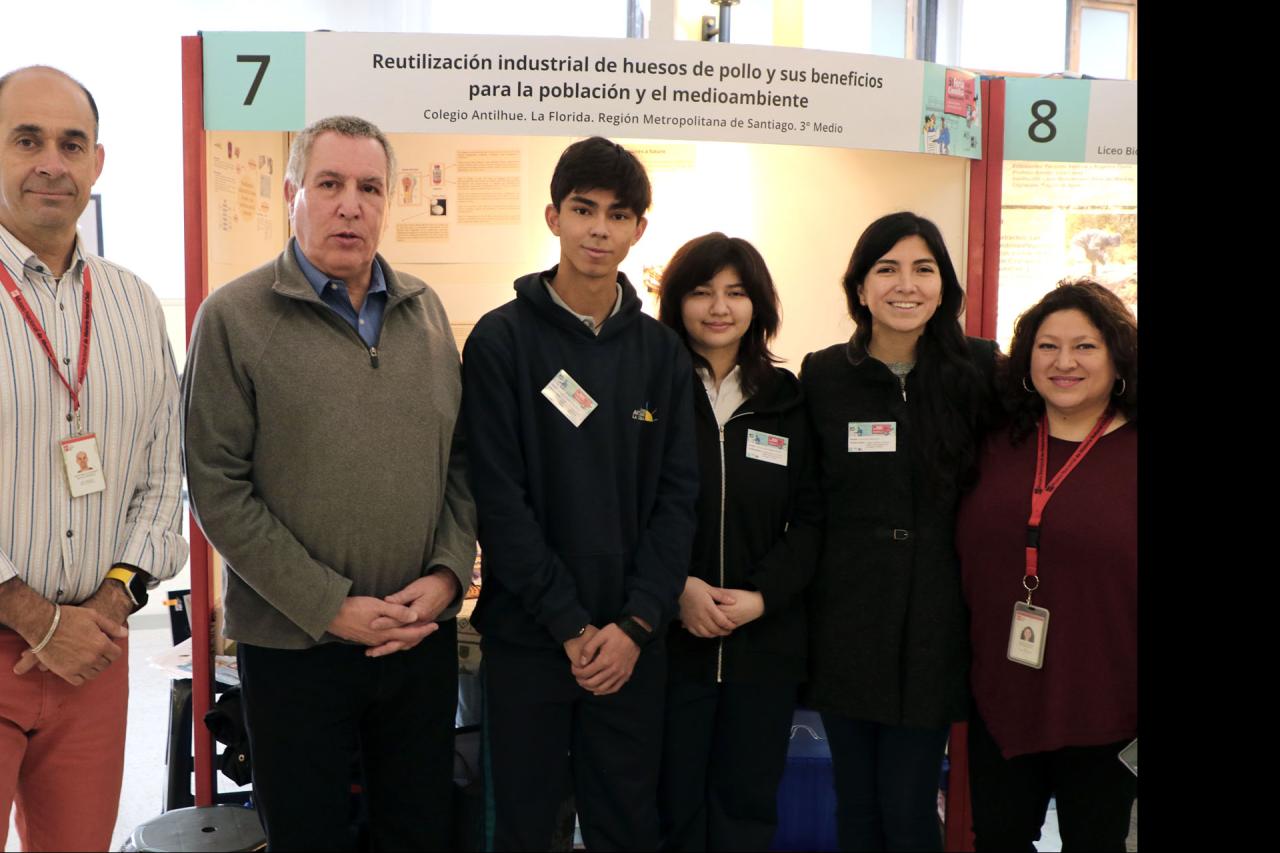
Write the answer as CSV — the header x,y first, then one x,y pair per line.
x,y
310,712
886,781
1094,790
546,737
724,750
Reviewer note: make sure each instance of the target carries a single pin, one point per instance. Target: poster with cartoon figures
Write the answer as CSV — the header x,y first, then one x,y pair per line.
x,y
951,120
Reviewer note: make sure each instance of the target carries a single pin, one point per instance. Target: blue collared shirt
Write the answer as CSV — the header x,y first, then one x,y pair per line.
x,y
333,292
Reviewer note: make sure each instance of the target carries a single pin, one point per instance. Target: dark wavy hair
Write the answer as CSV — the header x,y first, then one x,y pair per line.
x,y
952,404
1107,313
696,263
598,163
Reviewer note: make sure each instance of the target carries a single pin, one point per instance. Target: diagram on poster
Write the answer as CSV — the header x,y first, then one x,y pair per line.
x,y
456,199
245,200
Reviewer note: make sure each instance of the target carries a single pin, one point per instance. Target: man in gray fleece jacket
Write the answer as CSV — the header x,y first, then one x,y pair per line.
x,y
320,398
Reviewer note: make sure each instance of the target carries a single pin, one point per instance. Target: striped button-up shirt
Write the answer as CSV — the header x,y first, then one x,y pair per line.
x,y
59,545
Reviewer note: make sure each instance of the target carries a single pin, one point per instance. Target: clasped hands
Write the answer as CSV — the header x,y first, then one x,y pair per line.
x,y
710,611
400,621
602,659
81,648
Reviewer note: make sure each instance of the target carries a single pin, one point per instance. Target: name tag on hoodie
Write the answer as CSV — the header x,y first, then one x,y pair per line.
x,y
767,447
873,436
567,396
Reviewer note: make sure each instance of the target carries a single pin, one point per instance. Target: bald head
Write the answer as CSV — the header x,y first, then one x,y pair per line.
x,y
50,71
49,160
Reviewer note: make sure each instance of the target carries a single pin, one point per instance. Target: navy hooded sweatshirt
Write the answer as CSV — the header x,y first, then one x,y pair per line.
x,y
582,524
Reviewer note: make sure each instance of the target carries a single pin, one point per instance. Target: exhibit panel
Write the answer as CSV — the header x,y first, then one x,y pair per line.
x,y
795,150
1069,205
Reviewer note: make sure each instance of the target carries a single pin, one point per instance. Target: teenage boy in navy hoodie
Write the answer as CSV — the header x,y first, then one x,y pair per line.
x,y
579,418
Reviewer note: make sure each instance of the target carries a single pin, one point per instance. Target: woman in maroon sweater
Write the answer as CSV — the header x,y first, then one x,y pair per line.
x,y
1056,704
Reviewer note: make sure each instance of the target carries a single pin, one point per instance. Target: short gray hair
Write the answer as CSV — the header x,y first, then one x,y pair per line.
x,y
300,151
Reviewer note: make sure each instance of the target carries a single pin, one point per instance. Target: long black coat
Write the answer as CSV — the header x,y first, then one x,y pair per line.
x,y
888,627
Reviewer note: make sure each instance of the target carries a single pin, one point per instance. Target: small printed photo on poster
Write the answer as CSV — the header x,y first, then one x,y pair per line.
x,y
951,120
1104,247
439,206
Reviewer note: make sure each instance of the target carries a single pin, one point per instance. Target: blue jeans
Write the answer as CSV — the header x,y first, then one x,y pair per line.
x,y
886,781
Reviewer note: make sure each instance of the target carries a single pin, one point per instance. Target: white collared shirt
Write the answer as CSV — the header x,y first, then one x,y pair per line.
x,y
58,545
727,400
587,319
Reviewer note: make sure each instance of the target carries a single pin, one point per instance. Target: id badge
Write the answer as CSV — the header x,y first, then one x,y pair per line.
x,y
873,436
767,447
1027,634
569,398
83,463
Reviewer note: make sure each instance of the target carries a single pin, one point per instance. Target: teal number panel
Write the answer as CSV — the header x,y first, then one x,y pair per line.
x,y
255,81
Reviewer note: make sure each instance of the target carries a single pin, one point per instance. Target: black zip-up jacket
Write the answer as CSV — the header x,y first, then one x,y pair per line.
x,y
771,539
578,525
889,638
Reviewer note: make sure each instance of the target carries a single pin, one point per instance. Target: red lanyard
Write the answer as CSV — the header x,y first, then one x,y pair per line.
x,y
1041,493
36,329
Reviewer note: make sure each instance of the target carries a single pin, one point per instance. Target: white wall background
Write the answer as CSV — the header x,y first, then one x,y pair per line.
x,y
129,55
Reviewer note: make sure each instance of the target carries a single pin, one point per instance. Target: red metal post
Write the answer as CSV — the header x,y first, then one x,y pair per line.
x,y
194,206
983,270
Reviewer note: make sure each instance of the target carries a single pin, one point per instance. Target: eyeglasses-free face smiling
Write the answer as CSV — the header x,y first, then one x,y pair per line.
x,y
718,313
596,232
1071,367
49,159
902,290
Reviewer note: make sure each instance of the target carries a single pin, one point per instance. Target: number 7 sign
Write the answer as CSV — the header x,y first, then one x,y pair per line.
x,y
254,81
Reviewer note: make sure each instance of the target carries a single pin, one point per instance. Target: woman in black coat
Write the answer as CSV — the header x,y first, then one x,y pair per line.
x,y
737,653
898,411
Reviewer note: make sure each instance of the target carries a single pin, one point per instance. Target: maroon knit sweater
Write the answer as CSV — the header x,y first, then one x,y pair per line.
x,y
1086,694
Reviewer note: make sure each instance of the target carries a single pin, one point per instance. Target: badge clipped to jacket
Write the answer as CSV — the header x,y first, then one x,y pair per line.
x,y
567,396
873,436
767,447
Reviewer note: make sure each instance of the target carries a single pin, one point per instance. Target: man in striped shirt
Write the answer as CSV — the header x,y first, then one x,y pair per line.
x,y
90,467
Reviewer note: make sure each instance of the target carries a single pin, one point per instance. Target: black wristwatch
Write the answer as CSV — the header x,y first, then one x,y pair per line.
x,y
639,635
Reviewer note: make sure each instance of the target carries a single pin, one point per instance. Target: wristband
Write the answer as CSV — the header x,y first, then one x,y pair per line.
x,y
57,617
135,584
635,631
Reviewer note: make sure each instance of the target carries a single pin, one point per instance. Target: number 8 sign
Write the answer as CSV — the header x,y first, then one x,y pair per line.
x,y
1046,119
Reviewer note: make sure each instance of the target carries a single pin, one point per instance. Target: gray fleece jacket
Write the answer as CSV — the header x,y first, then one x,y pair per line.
x,y
317,467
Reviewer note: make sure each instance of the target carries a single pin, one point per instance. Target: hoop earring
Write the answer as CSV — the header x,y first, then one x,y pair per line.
x,y
1123,386
1025,388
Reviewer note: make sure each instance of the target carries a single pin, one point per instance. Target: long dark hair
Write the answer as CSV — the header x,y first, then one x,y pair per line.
x,y
952,402
696,263
1107,313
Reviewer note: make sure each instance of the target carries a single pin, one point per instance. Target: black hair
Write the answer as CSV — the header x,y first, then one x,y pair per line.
x,y
952,404
1107,313
93,105
598,163
696,263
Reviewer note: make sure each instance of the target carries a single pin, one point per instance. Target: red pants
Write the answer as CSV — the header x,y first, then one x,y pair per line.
x,y
61,752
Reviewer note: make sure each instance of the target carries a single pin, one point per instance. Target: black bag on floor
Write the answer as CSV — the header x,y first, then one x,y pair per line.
x,y
226,720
